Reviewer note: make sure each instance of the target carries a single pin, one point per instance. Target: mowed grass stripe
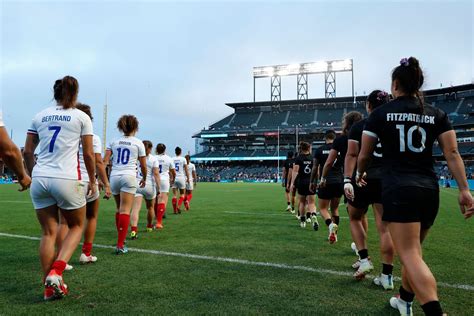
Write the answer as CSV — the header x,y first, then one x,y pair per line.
x,y
466,287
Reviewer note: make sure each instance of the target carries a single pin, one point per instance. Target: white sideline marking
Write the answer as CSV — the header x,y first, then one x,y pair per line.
x,y
276,214
23,202
466,287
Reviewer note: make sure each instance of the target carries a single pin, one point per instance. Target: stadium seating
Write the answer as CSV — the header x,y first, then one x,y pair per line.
x,y
272,119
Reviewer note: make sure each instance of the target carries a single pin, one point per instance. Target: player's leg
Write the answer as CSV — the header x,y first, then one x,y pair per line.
x,y
181,197
293,200
301,210
62,231
386,249
48,218
187,199
334,204
160,209
407,241
359,236
311,200
117,210
126,202
150,206
135,214
92,214
174,200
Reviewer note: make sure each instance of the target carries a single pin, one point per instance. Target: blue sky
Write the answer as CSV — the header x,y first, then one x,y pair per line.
x,y
175,64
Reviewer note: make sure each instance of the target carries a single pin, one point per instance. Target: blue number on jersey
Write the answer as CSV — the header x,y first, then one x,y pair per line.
x,y
56,130
176,166
123,155
161,168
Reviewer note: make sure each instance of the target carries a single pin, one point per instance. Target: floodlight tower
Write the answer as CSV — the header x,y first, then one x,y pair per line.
x,y
328,68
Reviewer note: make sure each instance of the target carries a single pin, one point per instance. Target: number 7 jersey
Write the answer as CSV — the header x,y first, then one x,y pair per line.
x,y
125,153
59,131
407,136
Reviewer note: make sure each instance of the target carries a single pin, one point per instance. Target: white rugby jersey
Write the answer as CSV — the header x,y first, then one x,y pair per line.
x,y
151,162
125,153
59,131
97,147
179,163
165,164
191,168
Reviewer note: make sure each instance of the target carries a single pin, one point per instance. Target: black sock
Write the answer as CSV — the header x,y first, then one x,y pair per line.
x,y
328,221
336,220
432,308
308,215
303,218
405,295
313,214
363,254
288,203
387,268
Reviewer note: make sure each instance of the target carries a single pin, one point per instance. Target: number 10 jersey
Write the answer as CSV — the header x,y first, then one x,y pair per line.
x,y
125,153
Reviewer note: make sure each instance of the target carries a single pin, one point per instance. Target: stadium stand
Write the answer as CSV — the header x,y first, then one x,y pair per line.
x,y
244,145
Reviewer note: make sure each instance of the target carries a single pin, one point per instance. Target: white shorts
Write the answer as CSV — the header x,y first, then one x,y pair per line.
x,y
179,183
190,186
123,183
164,186
148,192
90,199
66,194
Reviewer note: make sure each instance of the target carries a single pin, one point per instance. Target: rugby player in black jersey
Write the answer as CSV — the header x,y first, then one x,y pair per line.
x,y
286,182
359,199
302,167
407,129
331,186
320,156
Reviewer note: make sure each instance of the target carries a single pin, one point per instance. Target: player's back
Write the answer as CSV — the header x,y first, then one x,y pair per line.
x,y
165,164
305,163
407,135
59,131
125,153
97,147
151,162
191,169
179,163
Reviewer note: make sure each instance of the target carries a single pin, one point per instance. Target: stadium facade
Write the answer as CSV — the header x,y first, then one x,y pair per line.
x,y
266,131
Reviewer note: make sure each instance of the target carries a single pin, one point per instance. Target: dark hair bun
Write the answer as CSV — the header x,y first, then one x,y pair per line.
x,y
413,62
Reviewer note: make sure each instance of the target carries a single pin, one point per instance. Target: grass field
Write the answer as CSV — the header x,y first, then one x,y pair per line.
x,y
281,268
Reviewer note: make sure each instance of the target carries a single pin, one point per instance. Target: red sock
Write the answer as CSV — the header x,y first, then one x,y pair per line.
x,y
156,210
59,266
134,228
117,216
124,221
161,211
87,248
180,202
173,201
190,197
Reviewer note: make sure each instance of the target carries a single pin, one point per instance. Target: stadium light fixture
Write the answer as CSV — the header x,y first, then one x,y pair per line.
x,y
303,68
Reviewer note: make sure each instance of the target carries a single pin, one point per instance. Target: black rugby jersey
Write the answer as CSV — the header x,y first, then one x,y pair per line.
x,y
375,169
334,175
407,135
340,145
305,163
288,164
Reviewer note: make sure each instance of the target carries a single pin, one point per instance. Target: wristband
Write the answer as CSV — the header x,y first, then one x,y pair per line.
x,y
358,174
322,179
347,180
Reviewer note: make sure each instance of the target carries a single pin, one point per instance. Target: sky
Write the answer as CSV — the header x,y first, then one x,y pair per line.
x,y
175,64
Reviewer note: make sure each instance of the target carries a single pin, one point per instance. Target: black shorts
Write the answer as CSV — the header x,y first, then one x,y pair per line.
x,y
410,205
368,195
331,191
303,187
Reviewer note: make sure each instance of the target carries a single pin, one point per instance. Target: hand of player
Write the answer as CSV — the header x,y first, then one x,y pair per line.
x,y
322,183
466,203
312,187
108,192
142,183
292,188
91,189
349,191
25,183
360,179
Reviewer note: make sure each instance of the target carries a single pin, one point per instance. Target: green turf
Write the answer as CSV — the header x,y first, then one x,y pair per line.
x,y
150,283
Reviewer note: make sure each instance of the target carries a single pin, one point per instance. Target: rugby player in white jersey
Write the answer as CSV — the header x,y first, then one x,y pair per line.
x,y
92,207
57,178
124,153
182,178
149,192
167,176
191,184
